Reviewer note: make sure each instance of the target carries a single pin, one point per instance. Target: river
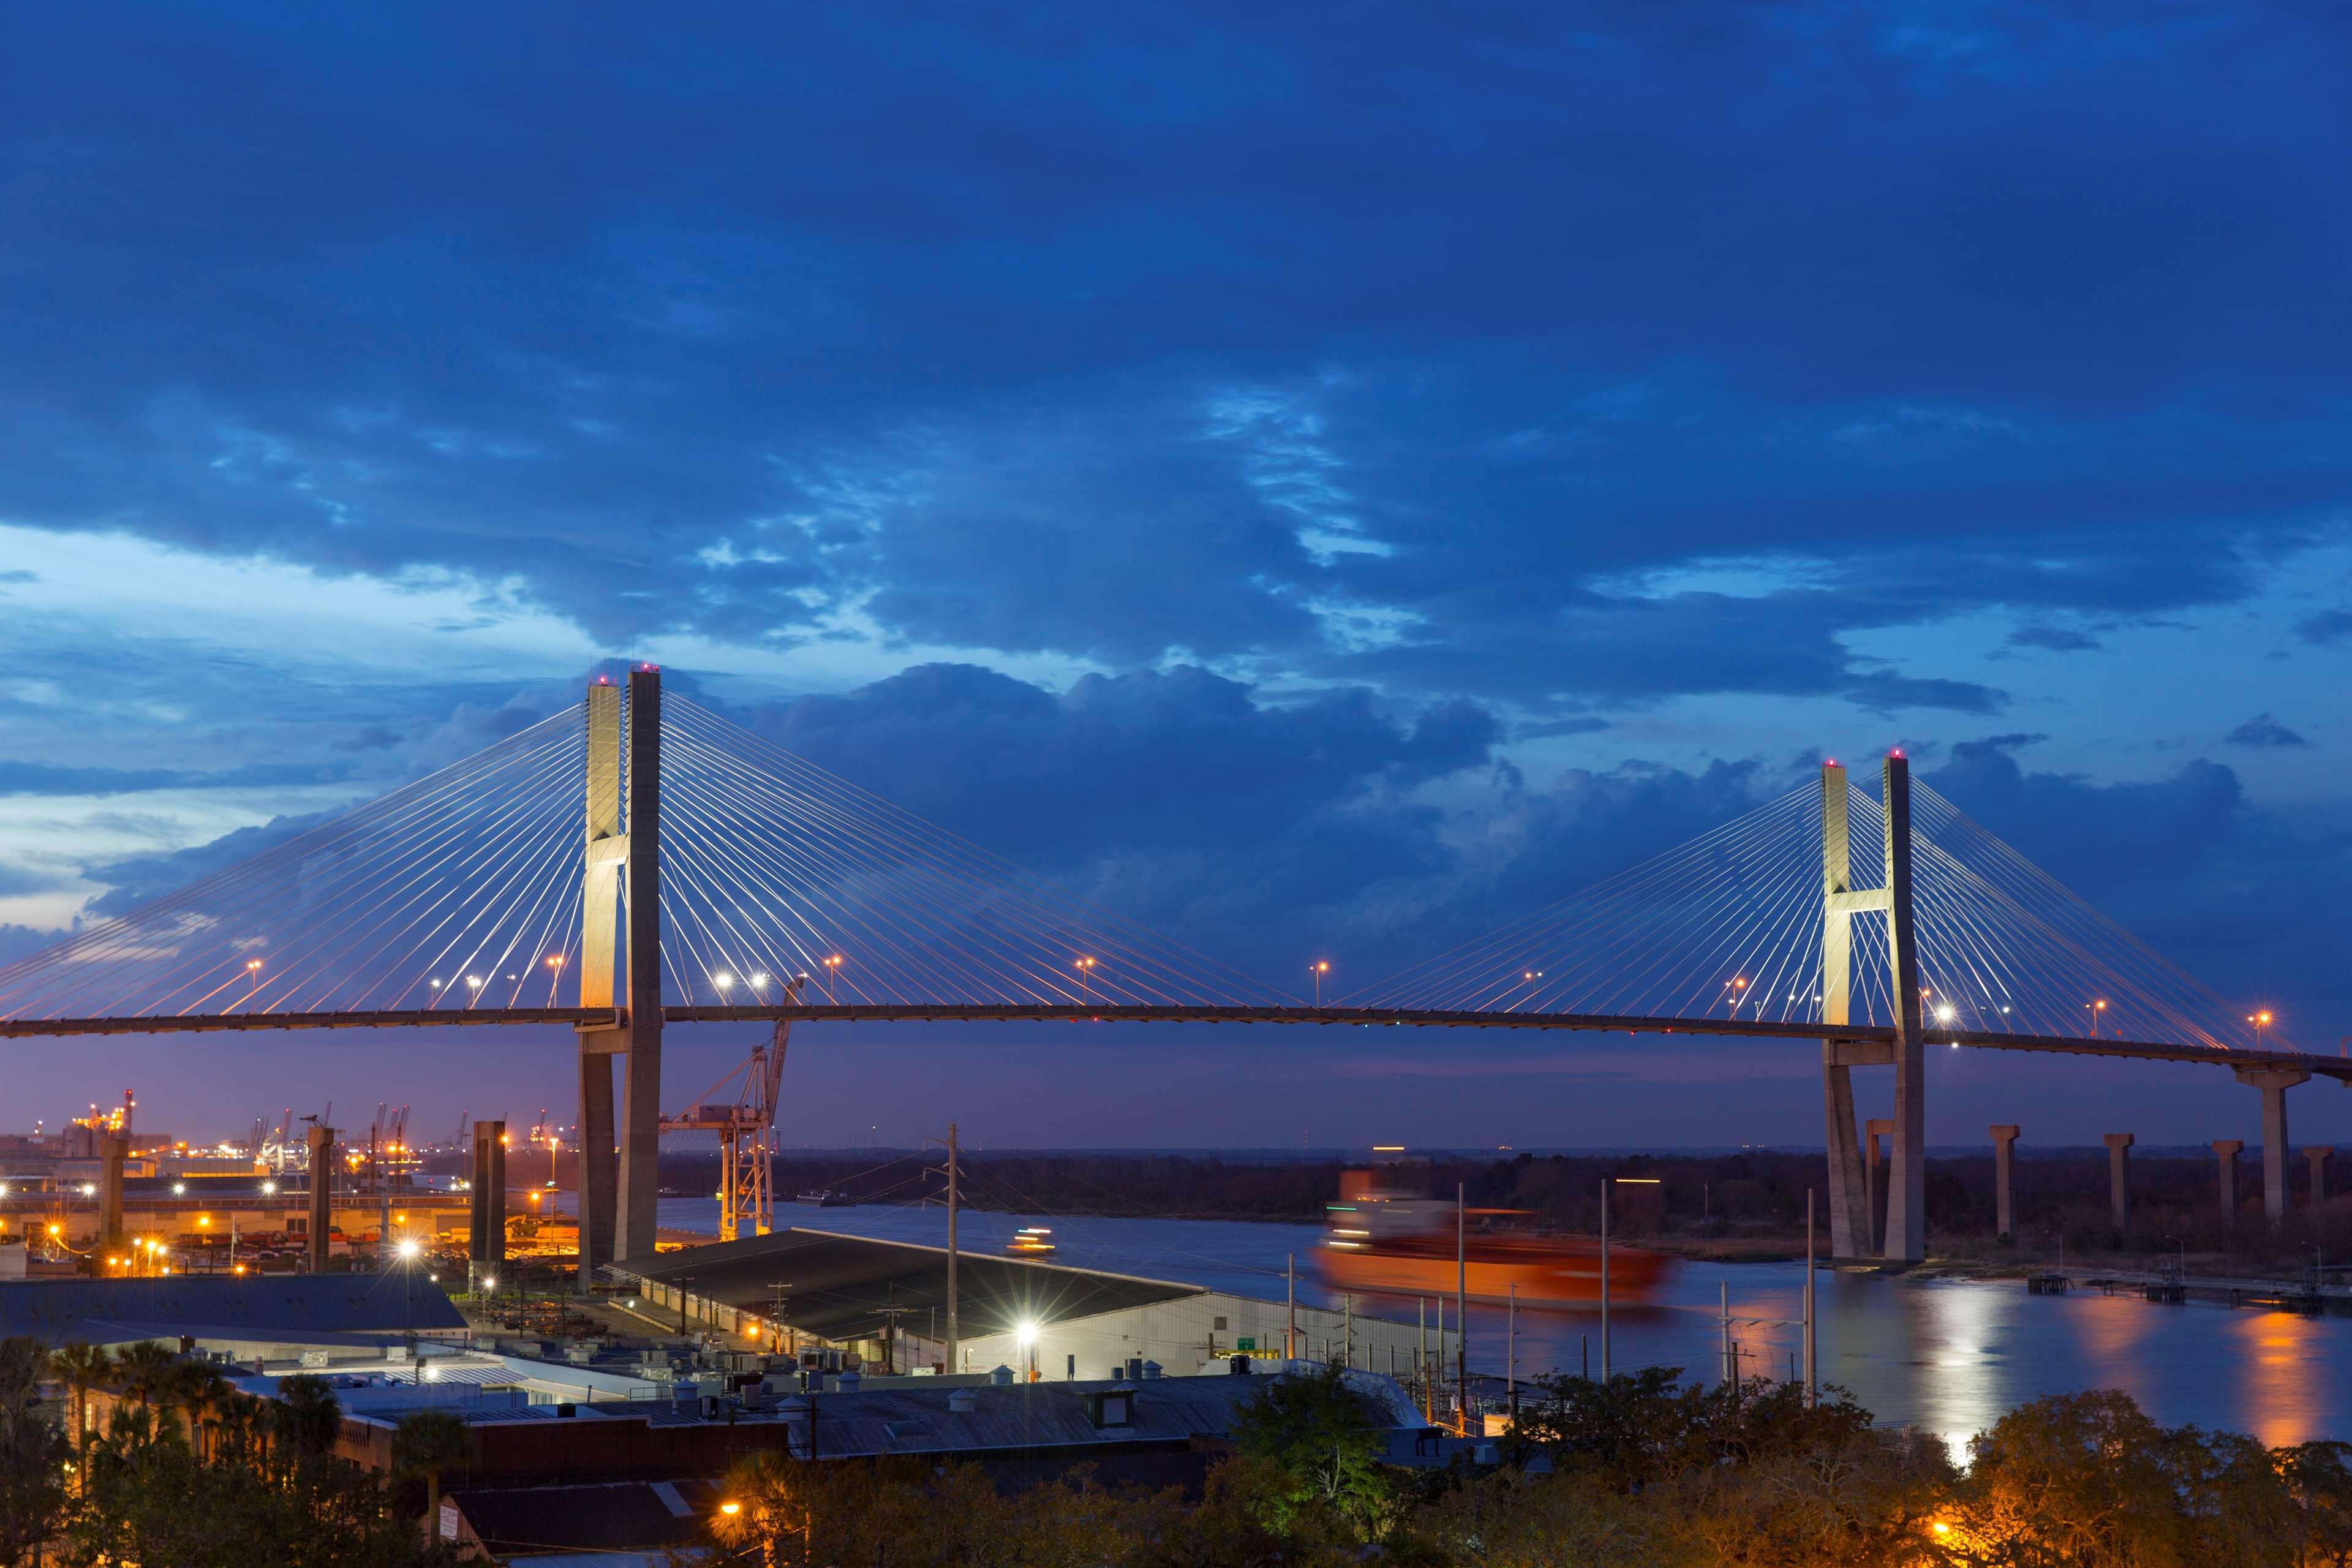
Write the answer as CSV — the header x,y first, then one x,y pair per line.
x,y
1948,1356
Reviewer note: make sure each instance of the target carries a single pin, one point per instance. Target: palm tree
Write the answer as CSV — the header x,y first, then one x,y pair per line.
x,y
147,1370
426,1444
306,1420
201,1393
80,1368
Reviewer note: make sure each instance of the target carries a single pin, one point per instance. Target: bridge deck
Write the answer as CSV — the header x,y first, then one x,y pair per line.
x,y
1367,1017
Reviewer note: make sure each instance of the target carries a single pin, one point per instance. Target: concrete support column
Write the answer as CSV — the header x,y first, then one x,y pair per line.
x,y
113,1149
1850,1208
640,1092
1906,1172
2273,1082
320,1142
2004,1169
2317,1154
2119,1178
488,1248
1850,1203
2225,1156
600,959
1874,1173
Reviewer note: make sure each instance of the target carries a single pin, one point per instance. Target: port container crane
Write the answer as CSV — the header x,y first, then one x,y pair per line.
x,y
741,1110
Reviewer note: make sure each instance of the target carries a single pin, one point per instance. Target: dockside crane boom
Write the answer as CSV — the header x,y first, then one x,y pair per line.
x,y
745,1122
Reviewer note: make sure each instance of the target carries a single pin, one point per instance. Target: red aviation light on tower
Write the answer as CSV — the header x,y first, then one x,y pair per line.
x,y
1896,753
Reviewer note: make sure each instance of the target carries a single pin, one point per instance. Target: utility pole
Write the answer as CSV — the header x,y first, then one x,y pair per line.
x,y
1462,1305
953,1339
1511,1352
1290,1319
1604,1279
1812,1387
1421,1366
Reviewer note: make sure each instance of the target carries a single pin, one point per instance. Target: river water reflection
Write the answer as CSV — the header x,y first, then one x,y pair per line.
x,y
1945,1355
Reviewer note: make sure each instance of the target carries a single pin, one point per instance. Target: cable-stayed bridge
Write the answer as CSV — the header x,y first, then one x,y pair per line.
x,y
632,862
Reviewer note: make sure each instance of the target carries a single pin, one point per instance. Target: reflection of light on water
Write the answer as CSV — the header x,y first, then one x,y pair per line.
x,y
2280,1399
1958,1392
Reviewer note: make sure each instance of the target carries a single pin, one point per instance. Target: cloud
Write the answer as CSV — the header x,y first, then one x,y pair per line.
x,y
52,779
2262,730
2326,629
2056,639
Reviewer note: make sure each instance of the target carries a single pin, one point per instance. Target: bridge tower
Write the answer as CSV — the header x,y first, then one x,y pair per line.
x,y
1850,1216
620,967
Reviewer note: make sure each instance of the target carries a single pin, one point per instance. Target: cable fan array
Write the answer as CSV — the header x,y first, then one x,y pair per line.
x,y
461,889
1728,927
1725,926
2006,948
774,868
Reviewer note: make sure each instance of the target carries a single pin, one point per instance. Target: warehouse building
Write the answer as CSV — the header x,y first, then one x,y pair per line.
x,y
885,1303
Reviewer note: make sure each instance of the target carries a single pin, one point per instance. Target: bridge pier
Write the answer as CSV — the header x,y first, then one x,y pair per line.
x,y
2225,1154
2004,1167
1907,1173
620,968
322,1143
2318,1154
2119,1178
1874,1179
486,1217
113,1150
1852,1204
2273,1082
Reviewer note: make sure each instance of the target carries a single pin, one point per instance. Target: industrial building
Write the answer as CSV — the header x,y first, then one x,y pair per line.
x,y
246,1317
884,1304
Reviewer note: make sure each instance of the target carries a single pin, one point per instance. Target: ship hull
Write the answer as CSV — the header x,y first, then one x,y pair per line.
x,y
1564,1276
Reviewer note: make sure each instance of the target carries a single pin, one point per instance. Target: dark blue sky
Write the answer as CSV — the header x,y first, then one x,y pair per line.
x,y
1312,481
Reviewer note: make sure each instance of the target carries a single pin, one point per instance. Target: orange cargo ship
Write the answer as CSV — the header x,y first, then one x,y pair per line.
x,y
1386,1240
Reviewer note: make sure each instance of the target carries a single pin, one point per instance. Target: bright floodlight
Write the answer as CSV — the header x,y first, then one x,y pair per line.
x,y
1026,1334
1946,1014
89,1189
270,1189
724,981
490,1281
179,1189
408,1248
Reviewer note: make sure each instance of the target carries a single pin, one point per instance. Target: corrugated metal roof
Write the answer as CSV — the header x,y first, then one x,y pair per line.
x,y
920,1420
57,1311
839,1285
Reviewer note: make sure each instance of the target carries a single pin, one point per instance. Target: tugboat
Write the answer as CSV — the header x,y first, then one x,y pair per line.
x,y
1382,1238
1031,1241
824,1198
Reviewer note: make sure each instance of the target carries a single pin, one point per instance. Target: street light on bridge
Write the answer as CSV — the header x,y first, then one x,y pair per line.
x,y
2094,1009
2260,1020
1319,968
832,967
1085,968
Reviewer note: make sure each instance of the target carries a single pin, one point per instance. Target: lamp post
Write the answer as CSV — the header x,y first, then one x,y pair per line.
x,y
1319,969
2094,1009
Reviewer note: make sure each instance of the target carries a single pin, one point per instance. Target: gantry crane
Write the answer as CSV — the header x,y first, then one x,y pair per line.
x,y
741,1109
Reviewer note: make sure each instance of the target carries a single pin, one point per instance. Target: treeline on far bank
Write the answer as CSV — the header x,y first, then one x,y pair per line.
x,y
1754,1196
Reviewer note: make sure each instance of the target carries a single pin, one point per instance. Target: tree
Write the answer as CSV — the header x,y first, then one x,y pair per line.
x,y
2076,1479
146,1370
425,1445
32,1454
1320,1435
306,1418
81,1368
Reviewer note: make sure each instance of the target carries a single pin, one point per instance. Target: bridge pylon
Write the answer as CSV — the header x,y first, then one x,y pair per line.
x,y
620,968
1850,1221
